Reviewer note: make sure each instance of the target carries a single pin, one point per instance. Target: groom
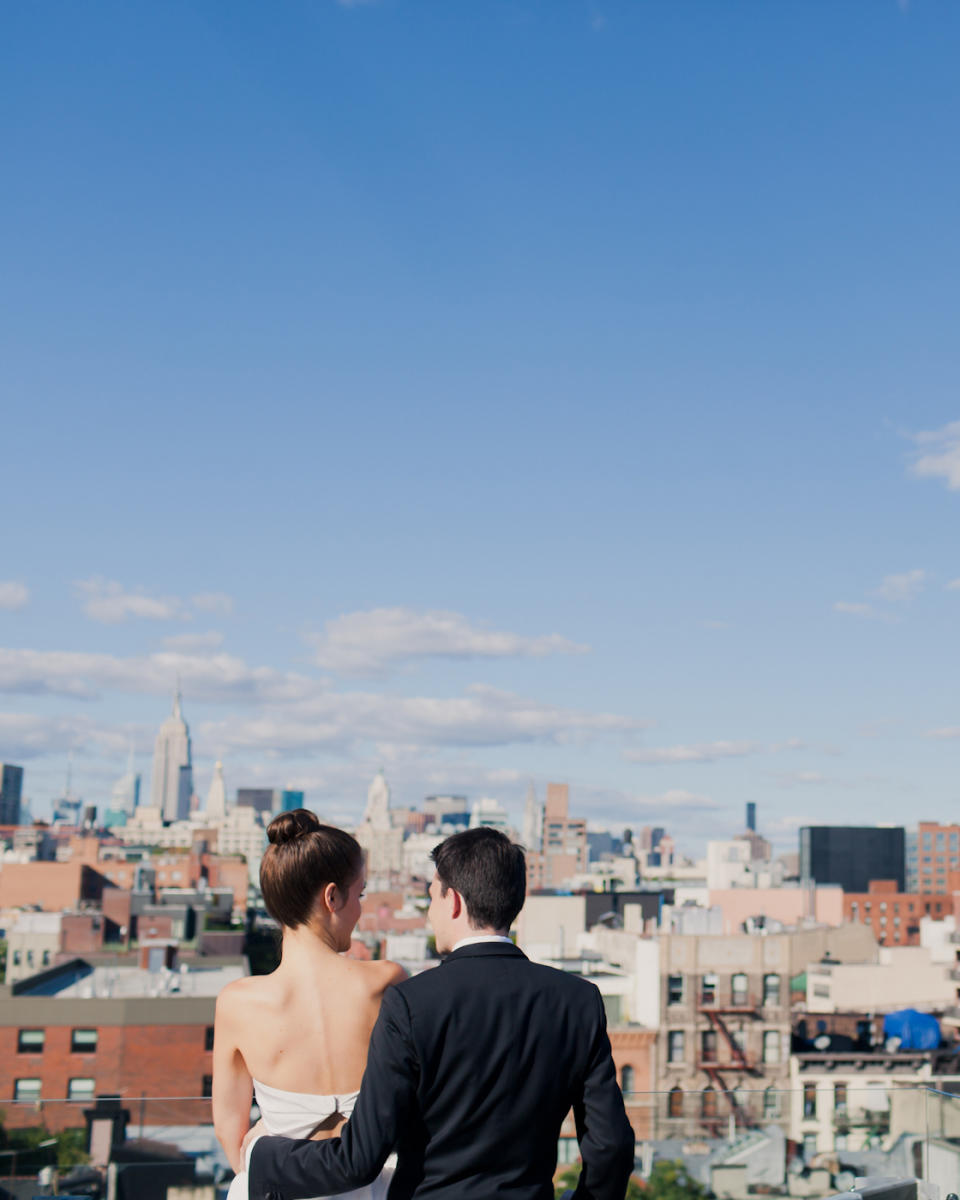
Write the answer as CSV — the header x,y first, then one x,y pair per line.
x,y
472,1066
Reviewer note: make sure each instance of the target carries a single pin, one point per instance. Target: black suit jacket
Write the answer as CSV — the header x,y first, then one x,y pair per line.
x,y
472,1068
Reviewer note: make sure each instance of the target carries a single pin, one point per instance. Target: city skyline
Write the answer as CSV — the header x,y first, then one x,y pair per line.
x,y
554,395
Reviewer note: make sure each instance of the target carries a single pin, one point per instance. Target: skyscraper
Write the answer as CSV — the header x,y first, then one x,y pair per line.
x,y
532,821
172,767
217,795
852,855
11,790
125,795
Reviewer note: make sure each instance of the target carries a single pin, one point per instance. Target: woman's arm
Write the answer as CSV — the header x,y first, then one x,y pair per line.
x,y
232,1085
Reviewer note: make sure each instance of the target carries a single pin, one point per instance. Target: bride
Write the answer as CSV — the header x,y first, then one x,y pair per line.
x,y
297,1038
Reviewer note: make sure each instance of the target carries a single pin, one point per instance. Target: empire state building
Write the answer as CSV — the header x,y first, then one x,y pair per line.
x,y
172,768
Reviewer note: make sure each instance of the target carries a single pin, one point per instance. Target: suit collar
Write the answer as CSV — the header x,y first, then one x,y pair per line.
x,y
485,950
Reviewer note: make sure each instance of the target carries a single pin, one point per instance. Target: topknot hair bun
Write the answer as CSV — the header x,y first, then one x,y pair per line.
x,y
289,826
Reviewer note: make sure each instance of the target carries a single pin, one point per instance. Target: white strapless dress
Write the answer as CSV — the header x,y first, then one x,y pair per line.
x,y
296,1115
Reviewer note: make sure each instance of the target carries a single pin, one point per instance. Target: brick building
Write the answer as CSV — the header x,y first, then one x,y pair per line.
x,y
564,851
934,858
894,916
51,886
60,1048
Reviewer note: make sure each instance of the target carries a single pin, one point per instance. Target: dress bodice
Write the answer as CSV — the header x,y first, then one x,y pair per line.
x,y
297,1114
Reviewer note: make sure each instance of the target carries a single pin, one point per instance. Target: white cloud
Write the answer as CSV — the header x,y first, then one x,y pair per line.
x,y
207,677
483,716
953,585
13,594
109,602
365,643
708,752
938,455
673,801
194,643
213,602
902,586
946,733
851,609
701,752
26,736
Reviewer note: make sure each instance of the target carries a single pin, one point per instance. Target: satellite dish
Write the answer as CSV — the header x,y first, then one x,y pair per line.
x,y
892,1044
822,1042
845,1181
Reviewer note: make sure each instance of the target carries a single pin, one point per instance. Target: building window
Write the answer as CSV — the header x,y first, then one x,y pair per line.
x,y
771,1045
840,1097
675,1046
30,1041
809,1146
626,1080
45,958
206,1087
16,958
708,989
208,1038
738,989
708,1102
674,989
83,1041
771,989
675,1102
771,1104
81,1089
809,1099
26,1089
708,1046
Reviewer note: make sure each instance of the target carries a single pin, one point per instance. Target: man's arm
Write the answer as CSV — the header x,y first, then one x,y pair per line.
x,y
289,1169
605,1135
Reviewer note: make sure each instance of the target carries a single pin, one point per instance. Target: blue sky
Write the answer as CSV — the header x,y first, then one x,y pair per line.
x,y
527,391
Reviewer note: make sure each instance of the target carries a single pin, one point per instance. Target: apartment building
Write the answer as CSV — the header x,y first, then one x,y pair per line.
x,y
894,916
933,858
77,1031
721,1004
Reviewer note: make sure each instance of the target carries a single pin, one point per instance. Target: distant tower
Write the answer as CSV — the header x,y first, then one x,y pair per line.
x,y
383,844
172,768
377,814
126,791
751,816
11,792
217,796
532,821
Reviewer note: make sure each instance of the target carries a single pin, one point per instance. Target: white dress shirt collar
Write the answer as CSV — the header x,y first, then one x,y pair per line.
x,y
481,937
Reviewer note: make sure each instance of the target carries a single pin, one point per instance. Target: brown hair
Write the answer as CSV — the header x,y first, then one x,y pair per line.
x,y
488,871
302,858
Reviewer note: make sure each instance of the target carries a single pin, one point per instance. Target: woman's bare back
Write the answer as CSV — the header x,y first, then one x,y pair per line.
x,y
306,1028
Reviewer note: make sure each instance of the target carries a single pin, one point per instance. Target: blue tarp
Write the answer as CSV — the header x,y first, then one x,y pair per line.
x,y
916,1030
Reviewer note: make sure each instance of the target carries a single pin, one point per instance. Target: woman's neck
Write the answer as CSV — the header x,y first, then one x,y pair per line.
x,y
307,943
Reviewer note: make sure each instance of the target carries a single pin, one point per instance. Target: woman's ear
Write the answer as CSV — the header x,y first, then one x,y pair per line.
x,y
331,898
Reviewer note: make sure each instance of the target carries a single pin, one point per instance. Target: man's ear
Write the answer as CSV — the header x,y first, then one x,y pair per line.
x,y
457,904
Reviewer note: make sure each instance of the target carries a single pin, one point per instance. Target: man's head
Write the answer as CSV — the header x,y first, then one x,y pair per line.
x,y
479,886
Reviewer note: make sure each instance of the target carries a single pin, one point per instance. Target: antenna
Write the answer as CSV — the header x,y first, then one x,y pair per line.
x,y
68,793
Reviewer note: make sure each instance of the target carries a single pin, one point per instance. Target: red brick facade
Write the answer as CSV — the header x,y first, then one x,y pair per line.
x,y
894,916
167,1064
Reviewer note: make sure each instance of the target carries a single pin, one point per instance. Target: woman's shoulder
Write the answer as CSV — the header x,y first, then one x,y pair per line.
x,y
240,994
381,973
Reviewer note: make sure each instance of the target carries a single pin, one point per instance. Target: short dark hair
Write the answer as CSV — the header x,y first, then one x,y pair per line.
x,y
488,871
302,858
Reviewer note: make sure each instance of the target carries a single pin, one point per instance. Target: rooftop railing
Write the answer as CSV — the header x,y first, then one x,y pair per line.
x,y
809,1142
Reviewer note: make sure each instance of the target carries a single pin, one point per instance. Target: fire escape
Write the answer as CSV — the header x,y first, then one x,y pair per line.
x,y
715,1010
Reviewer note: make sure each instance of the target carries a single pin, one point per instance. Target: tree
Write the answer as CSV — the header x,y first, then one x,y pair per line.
x,y
670,1180
567,1181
